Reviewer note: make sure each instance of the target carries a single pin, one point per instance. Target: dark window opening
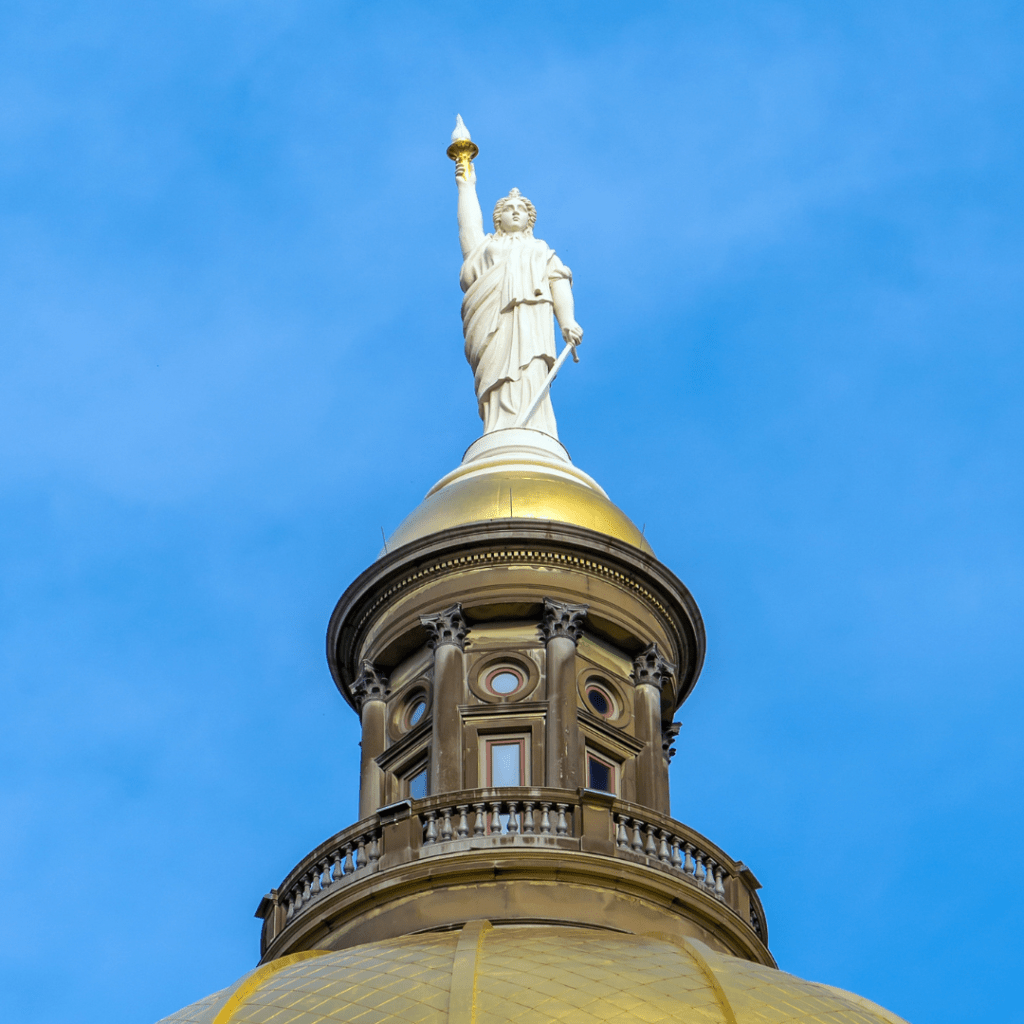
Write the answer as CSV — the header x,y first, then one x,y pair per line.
x,y
599,775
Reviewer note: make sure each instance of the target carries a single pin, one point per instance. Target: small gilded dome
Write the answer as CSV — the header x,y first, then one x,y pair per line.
x,y
517,474
532,974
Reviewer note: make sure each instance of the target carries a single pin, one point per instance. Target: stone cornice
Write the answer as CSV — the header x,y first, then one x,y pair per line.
x,y
497,543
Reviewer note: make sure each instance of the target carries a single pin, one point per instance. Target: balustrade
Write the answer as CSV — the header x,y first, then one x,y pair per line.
x,y
496,817
346,857
519,818
676,852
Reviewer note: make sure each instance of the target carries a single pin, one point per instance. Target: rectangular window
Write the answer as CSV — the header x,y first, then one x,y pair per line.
x,y
417,785
600,773
506,761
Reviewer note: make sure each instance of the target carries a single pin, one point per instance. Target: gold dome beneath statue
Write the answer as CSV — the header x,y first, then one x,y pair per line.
x,y
530,975
517,474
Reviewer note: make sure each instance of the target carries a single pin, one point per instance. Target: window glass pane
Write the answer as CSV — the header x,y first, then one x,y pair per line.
x,y
416,713
418,785
599,775
599,700
505,682
505,764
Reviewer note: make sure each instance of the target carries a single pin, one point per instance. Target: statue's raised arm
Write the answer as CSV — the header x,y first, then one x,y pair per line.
x,y
513,283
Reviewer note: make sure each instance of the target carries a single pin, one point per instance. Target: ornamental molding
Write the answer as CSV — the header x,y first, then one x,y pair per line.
x,y
369,685
519,556
562,619
653,669
447,627
668,739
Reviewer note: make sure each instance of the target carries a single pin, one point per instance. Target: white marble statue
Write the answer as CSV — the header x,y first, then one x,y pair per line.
x,y
513,283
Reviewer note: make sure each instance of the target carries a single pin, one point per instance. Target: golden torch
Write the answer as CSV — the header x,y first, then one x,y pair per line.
x,y
463,149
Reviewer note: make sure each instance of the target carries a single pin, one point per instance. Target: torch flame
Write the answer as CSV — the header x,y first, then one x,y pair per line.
x,y
461,133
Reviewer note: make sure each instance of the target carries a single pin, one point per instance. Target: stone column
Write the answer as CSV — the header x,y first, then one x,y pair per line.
x,y
561,629
447,637
650,672
370,691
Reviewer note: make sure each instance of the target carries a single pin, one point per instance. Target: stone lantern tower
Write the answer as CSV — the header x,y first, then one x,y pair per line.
x,y
516,657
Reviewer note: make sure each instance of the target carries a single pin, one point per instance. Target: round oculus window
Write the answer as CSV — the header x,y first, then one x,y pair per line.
x,y
600,700
417,709
504,681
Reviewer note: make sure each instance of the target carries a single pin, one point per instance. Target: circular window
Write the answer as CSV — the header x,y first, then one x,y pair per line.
x,y
504,680
417,709
600,700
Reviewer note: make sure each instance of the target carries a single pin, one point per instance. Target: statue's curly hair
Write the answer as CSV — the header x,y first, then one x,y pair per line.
x,y
500,205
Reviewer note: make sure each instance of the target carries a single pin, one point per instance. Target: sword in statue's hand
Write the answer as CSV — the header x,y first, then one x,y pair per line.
x,y
570,349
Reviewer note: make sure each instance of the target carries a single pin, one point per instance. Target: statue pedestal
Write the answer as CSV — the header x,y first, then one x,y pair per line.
x,y
517,450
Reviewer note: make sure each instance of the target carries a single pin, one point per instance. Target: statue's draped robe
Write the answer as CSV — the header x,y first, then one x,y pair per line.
x,y
508,322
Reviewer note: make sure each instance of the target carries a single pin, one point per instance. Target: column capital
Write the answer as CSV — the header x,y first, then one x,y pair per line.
x,y
668,739
561,619
447,627
369,685
652,668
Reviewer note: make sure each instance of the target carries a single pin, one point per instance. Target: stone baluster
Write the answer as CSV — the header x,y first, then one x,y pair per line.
x,y
325,873
561,629
360,853
677,861
349,866
446,825
621,835
430,829
314,881
720,882
463,829
651,672
339,871
513,817
638,843
650,847
446,635
664,854
545,818
370,691
495,817
689,867
290,906
699,873
480,825
528,817
374,853
563,826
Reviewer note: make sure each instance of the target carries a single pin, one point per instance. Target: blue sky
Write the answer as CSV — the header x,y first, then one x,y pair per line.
x,y
231,354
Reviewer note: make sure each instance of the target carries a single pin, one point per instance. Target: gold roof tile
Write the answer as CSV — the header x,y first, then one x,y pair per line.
x,y
530,975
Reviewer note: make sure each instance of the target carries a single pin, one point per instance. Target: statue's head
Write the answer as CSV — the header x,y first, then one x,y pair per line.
x,y
514,213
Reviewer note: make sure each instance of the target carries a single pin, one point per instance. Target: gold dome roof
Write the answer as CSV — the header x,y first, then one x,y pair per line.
x,y
523,476
530,975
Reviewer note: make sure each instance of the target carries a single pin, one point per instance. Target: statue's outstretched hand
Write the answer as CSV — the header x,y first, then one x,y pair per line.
x,y
461,175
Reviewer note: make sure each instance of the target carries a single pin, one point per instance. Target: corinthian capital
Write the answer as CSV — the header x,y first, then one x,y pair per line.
x,y
561,619
653,669
447,627
369,685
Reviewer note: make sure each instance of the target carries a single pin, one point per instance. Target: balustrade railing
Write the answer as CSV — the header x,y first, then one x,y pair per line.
x,y
495,817
680,853
339,860
453,823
